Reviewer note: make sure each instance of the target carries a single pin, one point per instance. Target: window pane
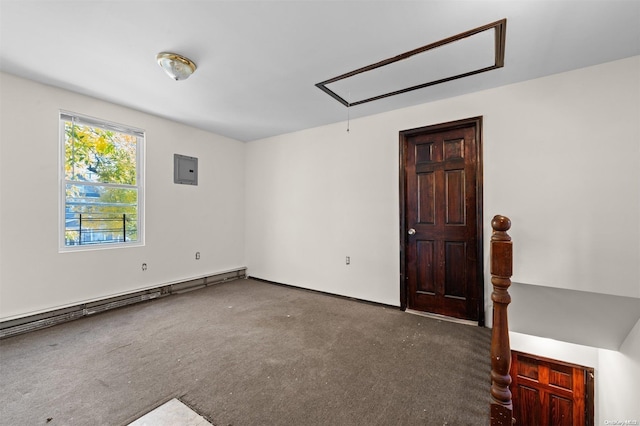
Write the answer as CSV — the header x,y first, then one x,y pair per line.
x,y
93,154
102,197
100,214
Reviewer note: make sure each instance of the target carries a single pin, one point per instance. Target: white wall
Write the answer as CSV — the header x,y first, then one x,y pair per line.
x,y
180,219
314,198
561,159
619,391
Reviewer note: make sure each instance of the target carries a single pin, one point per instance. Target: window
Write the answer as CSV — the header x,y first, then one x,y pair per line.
x,y
102,192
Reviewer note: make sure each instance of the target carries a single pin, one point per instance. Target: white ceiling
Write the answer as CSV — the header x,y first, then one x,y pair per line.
x,y
258,61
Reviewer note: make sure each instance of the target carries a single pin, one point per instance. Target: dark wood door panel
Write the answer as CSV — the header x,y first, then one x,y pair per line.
x,y
455,203
426,195
440,207
455,267
560,411
426,266
529,410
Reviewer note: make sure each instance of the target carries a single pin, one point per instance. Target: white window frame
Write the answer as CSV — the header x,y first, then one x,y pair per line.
x,y
140,167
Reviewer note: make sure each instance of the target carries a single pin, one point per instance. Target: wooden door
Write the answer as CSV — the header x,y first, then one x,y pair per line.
x,y
547,392
441,227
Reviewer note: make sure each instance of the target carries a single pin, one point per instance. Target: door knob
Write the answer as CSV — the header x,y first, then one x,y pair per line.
x,y
412,231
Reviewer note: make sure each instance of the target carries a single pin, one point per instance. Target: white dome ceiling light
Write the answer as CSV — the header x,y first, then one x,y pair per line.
x,y
176,66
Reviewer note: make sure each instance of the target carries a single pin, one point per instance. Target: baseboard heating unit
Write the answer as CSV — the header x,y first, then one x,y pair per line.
x,y
47,319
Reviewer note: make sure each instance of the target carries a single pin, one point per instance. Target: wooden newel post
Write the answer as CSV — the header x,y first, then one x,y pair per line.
x,y
501,271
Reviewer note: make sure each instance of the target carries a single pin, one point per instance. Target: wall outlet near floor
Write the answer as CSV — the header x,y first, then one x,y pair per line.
x,y
197,255
348,261
144,266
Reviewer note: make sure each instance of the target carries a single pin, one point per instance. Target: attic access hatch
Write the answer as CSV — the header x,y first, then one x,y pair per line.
x,y
471,52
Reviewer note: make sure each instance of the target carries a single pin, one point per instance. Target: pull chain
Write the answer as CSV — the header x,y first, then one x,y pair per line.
x,y
348,119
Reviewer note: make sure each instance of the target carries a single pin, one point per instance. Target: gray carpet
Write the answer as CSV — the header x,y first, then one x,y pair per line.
x,y
250,353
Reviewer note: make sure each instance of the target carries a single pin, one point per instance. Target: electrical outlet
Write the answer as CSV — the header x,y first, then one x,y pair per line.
x,y
348,261
144,266
197,255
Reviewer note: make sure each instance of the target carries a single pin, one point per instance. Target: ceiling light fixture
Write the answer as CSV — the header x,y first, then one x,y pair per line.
x,y
176,66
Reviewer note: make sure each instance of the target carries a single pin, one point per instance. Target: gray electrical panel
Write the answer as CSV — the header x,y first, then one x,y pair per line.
x,y
185,169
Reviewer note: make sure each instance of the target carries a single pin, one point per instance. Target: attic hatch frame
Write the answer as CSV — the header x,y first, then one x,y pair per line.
x,y
499,47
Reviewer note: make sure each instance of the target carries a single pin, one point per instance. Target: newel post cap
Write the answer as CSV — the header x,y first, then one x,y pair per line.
x,y
501,223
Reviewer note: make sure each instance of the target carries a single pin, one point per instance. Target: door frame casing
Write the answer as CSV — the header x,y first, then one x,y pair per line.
x,y
476,123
